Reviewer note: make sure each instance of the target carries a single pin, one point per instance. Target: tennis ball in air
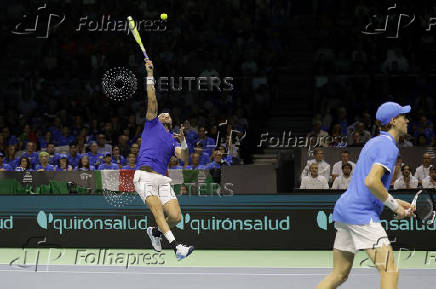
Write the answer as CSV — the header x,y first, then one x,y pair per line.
x,y
164,16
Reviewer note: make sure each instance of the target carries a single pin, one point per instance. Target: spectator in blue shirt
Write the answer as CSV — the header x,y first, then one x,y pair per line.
x,y
108,165
3,166
66,138
117,158
74,156
10,158
174,164
195,163
204,157
102,147
207,142
190,135
56,129
95,159
9,139
217,162
44,164
227,158
30,154
84,164
45,140
63,165
53,157
131,162
24,165
134,148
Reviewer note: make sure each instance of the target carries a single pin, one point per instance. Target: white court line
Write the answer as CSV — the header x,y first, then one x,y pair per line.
x,y
181,273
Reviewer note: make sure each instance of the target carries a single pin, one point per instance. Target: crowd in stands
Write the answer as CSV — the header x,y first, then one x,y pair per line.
x,y
52,86
92,152
355,71
317,174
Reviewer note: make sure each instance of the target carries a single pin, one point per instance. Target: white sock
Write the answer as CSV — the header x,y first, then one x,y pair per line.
x,y
170,237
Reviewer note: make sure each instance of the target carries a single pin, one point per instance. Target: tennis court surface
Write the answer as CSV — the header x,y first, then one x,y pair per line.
x,y
112,268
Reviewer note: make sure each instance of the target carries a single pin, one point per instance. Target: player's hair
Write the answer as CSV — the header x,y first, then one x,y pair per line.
x,y
387,126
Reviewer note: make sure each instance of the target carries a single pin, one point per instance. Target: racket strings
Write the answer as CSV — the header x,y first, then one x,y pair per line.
x,y
424,207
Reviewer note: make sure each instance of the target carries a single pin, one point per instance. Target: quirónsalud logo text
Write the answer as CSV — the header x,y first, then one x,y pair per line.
x,y
233,224
70,223
410,224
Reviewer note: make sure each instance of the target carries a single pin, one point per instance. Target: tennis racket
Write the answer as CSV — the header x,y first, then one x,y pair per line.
x,y
424,204
135,33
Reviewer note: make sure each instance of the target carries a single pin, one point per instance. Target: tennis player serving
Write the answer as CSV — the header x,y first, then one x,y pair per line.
x,y
357,212
157,146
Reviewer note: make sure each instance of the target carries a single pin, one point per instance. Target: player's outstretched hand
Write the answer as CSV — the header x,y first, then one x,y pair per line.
x,y
180,136
404,210
149,67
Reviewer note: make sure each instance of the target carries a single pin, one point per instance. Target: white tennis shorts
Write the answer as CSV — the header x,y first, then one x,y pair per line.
x,y
151,184
353,238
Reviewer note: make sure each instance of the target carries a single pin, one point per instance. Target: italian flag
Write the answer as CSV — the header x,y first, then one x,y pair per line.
x,y
115,180
196,181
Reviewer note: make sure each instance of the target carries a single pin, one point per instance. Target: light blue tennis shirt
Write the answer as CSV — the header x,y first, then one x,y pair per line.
x,y
358,205
157,146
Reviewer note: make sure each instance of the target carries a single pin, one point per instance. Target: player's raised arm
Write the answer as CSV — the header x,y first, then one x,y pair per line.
x,y
151,94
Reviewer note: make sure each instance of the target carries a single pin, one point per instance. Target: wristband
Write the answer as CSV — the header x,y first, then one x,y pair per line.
x,y
150,80
184,145
391,203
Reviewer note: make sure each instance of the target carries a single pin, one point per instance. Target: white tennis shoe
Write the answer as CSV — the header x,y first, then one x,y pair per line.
x,y
183,251
155,241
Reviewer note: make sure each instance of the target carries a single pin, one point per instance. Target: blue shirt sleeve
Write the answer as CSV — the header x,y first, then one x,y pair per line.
x,y
386,156
150,123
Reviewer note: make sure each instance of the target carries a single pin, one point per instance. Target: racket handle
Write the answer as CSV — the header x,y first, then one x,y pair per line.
x,y
146,56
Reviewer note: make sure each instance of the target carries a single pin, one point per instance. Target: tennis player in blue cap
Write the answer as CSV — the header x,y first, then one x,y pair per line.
x,y
357,212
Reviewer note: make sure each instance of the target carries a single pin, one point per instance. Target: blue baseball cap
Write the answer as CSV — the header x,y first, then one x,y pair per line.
x,y
388,110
